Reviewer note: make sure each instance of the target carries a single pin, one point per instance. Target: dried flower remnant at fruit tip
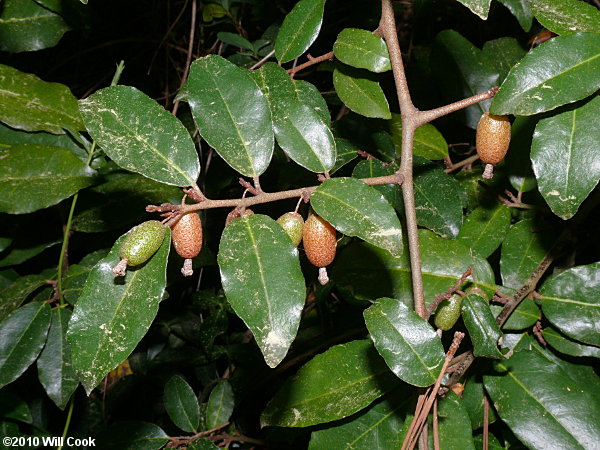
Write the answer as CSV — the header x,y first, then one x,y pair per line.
x,y
320,244
141,243
492,140
186,236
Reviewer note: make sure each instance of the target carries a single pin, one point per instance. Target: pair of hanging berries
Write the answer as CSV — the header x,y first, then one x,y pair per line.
x,y
145,239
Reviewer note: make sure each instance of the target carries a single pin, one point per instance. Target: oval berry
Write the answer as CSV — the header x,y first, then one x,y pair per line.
x,y
186,235
492,139
448,312
319,241
236,213
293,224
140,244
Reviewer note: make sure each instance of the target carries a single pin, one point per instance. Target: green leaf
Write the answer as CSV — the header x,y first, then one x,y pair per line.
x,y
181,404
333,385
232,114
504,52
360,92
527,243
357,209
362,49
438,198
14,294
454,425
541,404
544,78
375,168
566,16
235,39
518,161
132,435
28,170
309,95
23,336
55,368
564,153
410,346
485,229
371,273
299,130
429,142
113,313
10,136
18,255
27,26
473,401
568,346
220,405
377,427
255,255
480,8
120,202
140,135
212,11
571,301
522,12
30,104
524,316
346,152
299,29
462,70
482,327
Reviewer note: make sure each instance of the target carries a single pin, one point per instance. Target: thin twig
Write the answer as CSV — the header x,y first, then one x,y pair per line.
x,y
188,61
464,162
176,441
311,62
486,421
262,61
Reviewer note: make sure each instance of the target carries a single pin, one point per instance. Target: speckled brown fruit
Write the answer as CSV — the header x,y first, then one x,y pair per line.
x,y
186,235
236,213
319,244
493,139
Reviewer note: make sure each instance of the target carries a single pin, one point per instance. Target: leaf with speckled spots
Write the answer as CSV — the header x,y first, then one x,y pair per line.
x,y
140,135
333,385
410,346
232,114
357,209
261,276
113,313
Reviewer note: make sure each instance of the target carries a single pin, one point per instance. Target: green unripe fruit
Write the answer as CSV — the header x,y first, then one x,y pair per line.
x,y
292,223
140,244
448,312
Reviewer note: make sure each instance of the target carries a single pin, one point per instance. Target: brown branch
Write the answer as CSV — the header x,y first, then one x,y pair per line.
x,y
177,441
311,62
464,162
424,117
446,295
188,61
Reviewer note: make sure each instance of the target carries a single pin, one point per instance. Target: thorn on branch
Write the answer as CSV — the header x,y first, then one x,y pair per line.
x,y
163,208
537,332
249,187
195,194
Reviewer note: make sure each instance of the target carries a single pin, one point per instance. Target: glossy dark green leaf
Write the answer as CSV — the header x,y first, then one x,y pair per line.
x,y
235,40
473,401
299,130
181,404
15,293
28,170
202,444
11,136
357,209
220,405
524,316
377,427
23,336
345,152
571,301
482,327
566,16
527,243
28,26
485,229
518,161
541,404
375,168
140,135
113,313
132,435
12,406
333,385
362,49
30,104
371,273
454,425
120,202
309,95
410,346
360,92
299,29
504,52
255,254
544,78
478,7
429,142
522,12
17,255
438,198
568,346
55,368
564,153
232,114
462,70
